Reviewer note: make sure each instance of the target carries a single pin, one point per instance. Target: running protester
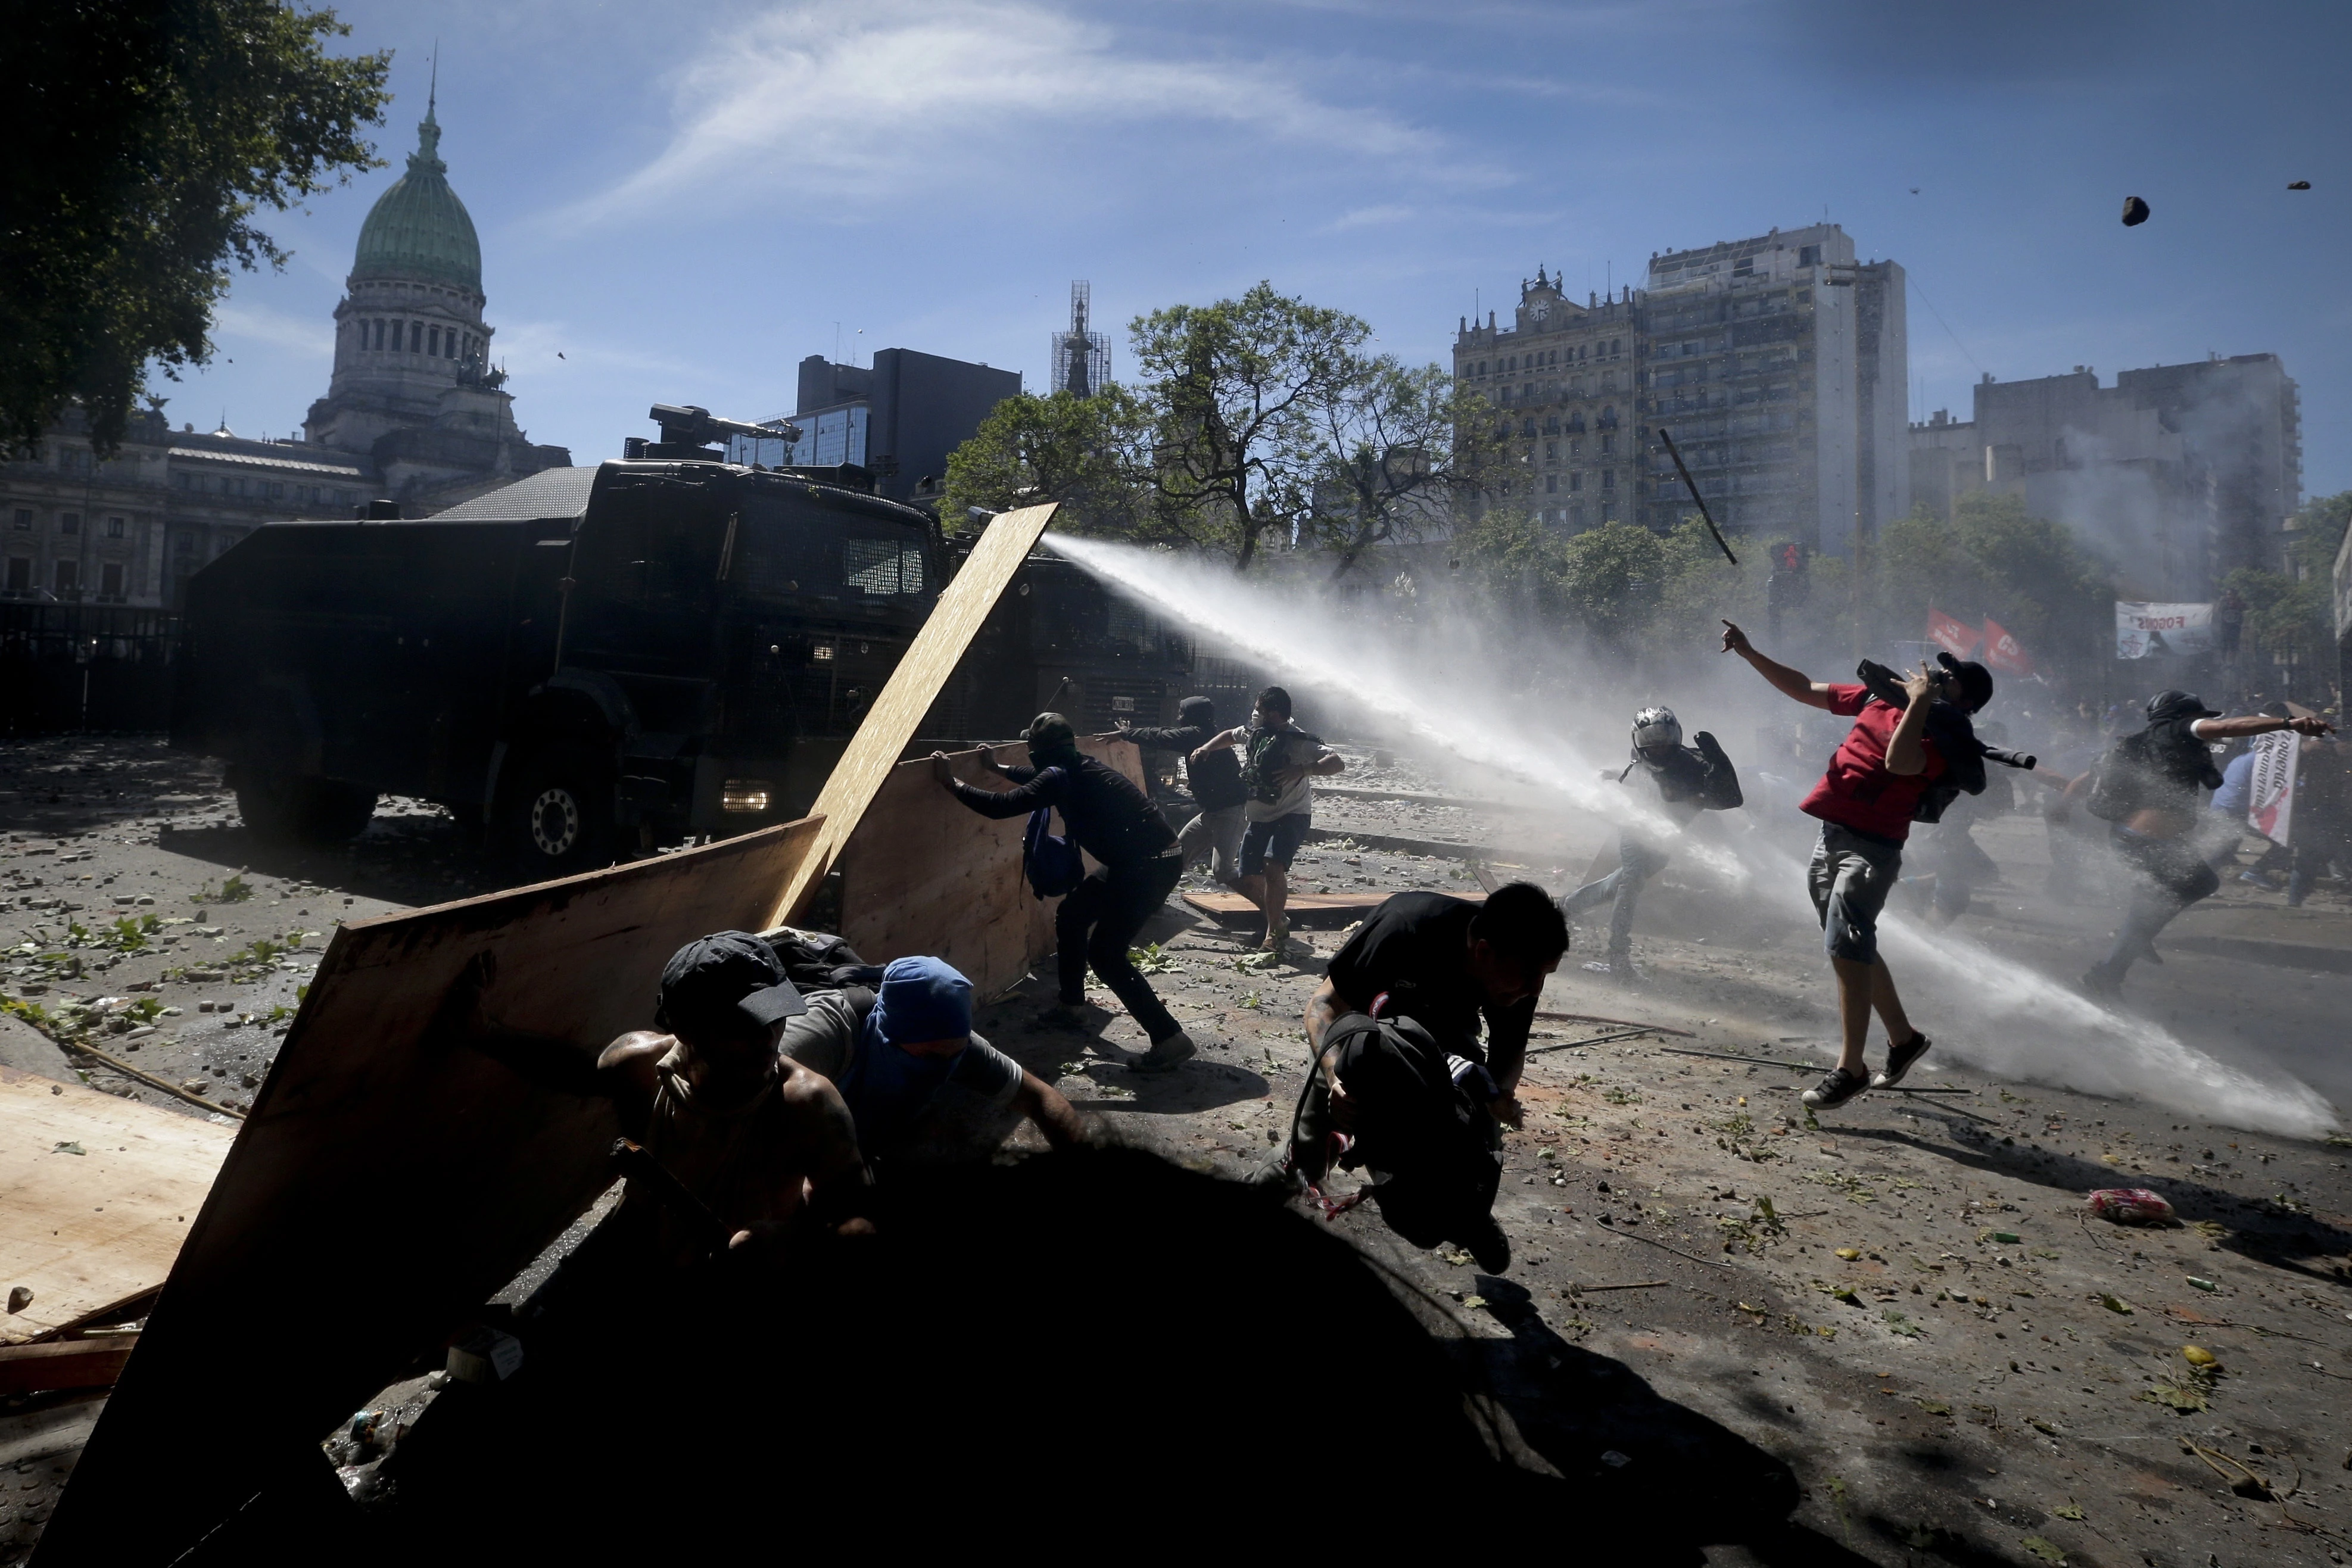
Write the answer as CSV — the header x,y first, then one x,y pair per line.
x,y
2146,788
1111,819
1875,782
1214,778
1688,779
1280,763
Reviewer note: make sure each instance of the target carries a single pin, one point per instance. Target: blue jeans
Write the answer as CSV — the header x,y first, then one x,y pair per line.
x,y
1637,863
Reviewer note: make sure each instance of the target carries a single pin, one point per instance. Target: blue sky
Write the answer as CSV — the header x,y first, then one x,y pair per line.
x,y
684,201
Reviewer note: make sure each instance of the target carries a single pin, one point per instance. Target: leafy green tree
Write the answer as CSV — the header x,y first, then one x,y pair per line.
x,y
1993,558
143,137
1093,454
1237,386
2291,614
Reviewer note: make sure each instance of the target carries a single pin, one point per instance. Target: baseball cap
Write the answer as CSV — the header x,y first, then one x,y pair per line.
x,y
1976,681
2165,706
721,982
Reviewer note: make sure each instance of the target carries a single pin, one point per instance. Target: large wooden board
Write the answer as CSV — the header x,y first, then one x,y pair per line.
x,y
388,1181
85,1232
881,740
925,873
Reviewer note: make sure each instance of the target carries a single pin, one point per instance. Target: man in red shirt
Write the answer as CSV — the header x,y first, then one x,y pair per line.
x,y
1864,801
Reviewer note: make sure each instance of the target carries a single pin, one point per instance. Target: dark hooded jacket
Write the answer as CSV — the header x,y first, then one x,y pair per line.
x,y
1215,781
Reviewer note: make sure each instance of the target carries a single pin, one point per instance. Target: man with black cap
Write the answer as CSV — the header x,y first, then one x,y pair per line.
x,y
1214,778
2146,788
1874,782
921,1086
1114,821
764,1143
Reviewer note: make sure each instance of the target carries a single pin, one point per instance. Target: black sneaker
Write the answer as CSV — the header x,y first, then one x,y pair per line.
x,y
2101,984
1835,1090
1898,1061
1488,1245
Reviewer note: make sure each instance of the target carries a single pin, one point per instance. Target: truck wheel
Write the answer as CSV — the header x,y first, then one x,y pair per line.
x,y
560,816
268,803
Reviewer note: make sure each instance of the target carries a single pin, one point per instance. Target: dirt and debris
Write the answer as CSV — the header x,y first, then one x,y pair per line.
x,y
1908,1303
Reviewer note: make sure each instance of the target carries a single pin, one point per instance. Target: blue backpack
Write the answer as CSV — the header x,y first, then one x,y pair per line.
x,y
1052,862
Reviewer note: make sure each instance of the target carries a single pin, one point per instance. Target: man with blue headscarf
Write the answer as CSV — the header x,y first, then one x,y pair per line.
x,y
921,1087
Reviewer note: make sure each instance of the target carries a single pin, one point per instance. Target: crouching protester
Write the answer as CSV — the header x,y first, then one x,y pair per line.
x,y
1109,818
756,1142
1895,754
922,1088
1402,1085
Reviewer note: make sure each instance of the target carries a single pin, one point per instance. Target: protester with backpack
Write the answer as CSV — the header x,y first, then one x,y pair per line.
x,y
1403,1083
1109,818
1688,779
1279,765
2144,787
1889,768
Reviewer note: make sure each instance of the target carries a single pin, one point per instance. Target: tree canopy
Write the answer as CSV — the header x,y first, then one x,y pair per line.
x,y
143,140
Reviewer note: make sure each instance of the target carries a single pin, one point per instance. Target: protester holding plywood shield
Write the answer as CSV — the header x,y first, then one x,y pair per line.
x,y
1109,818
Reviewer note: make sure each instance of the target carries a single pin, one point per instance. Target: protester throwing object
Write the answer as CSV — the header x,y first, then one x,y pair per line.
x,y
1877,779
1688,781
1280,763
1214,775
2144,787
921,1086
1109,818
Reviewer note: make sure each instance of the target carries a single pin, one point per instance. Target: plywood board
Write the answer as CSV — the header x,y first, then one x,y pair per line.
x,y
86,1231
926,874
908,696
389,1180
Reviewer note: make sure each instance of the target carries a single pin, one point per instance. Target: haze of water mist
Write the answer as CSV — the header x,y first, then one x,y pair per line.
x,y
1438,688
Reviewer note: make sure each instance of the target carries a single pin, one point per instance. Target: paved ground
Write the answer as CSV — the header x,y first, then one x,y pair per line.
x,y
1906,1304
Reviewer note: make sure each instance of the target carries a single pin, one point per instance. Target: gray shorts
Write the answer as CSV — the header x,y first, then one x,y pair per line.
x,y
1216,836
1850,879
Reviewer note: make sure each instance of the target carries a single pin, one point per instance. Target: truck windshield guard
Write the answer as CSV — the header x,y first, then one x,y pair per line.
x,y
787,550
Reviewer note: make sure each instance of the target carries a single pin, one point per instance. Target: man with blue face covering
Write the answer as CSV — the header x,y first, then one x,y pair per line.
x,y
921,1087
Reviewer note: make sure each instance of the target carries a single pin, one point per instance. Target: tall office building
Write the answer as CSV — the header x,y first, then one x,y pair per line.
x,y
1777,363
2175,476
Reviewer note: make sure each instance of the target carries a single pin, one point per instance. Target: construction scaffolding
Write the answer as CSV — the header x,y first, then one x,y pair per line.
x,y
1081,357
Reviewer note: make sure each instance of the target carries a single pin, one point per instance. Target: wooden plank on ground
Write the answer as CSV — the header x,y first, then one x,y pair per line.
x,y
881,740
85,1231
1231,908
388,1182
924,874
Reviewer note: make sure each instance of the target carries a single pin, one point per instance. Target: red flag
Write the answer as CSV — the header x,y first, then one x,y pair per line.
x,y
1954,636
2002,653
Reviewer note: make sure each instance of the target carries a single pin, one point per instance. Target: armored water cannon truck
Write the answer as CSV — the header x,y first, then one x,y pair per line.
x,y
587,661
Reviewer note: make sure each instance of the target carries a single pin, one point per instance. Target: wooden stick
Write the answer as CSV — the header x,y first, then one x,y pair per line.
x,y
1633,1236
1626,1023
152,1082
1641,1285
1572,1044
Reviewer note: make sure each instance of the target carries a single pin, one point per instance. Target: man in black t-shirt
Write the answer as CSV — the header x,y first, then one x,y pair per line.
x,y
1214,778
1453,965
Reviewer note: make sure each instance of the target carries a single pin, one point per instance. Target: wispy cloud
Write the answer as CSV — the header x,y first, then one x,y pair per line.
x,y
259,324
870,104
